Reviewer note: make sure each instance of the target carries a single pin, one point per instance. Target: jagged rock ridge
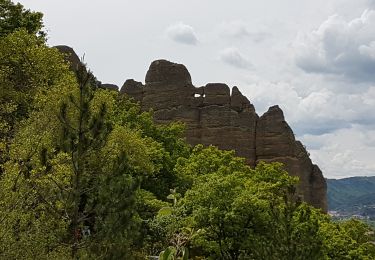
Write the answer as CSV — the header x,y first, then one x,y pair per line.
x,y
215,115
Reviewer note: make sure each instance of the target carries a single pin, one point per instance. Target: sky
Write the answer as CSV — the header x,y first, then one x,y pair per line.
x,y
315,59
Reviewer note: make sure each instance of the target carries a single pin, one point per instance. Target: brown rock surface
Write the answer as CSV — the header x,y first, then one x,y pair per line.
x,y
133,88
214,116
70,56
275,141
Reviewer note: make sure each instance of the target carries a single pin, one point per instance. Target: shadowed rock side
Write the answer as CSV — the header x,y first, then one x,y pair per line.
x,y
214,116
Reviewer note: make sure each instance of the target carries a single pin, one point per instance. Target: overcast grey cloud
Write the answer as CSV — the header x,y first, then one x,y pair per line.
x,y
313,58
345,48
235,58
182,33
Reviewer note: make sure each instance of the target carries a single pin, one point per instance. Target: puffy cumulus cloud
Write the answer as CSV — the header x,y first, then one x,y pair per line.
x,y
324,122
318,112
343,153
182,33
235,58
240,30
265,94
334,110
325,111
345,48
338,129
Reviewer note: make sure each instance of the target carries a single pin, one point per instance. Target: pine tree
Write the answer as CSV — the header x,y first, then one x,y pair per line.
x,y
81,136
102,201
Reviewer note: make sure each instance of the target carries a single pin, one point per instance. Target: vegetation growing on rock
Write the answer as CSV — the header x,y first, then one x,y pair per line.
x,y
85,174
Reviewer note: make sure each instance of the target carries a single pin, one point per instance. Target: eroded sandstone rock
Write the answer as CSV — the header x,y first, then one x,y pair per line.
x,y
214,116
70,56
275,142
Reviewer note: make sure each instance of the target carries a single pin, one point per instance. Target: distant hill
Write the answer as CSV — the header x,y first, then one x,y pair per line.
x,y
352,196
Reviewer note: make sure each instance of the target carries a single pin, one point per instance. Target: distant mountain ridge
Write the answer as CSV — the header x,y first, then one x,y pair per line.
x,y
354,195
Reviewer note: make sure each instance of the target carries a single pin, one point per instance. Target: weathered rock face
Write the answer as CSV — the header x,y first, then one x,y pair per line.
x,y
70,56
275,142
214,116
211,114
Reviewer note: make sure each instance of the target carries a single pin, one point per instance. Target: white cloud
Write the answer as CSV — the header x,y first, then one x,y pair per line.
x,y
337,128
325,111
345,48
368,50
317,112
182,33
234,29
345,152
239,29
234,57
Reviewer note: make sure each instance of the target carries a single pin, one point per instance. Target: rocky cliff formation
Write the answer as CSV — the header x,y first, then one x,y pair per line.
x,y
216,115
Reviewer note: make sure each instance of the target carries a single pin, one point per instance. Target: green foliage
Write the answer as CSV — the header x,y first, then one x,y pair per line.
x,y
239,212
55,157
148,205
169,145
15,16
28,68
243,213
171,253
205,161
85,135
351,239
86,174
168,254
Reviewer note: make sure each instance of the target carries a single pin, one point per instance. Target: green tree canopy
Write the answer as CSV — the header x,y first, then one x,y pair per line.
x,y
86,174
230,211
27,68
79,160
15,16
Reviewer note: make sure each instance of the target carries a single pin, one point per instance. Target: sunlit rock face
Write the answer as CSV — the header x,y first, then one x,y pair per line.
x,y
217,115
